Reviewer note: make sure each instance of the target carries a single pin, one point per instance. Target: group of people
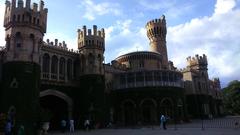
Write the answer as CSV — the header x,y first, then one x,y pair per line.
x,y
9,129
64,125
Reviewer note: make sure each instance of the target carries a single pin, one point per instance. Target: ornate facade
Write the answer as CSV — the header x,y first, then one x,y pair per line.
x,y
134,89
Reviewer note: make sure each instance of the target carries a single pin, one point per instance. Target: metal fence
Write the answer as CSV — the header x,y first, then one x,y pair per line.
x,y
226,122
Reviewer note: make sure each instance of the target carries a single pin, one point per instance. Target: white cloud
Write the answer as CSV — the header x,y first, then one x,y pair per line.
x,y
98,9
156,5
123,37
224,6
171,8
216,36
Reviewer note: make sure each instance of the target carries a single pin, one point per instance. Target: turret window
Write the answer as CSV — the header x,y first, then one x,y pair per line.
x,y
23,17
30,19
18,40
18,18
14,18
91,58
34,20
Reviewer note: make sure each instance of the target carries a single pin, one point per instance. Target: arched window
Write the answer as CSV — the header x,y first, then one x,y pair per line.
x,y
46,62
62,66
18,18
23,17
18,40
8,42
90,58
32,45
54,64
69,69
14,18
100,62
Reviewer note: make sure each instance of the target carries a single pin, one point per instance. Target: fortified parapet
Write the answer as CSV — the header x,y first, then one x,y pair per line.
x,y
20,15
25,27
91,45
197,62
91,38
156,32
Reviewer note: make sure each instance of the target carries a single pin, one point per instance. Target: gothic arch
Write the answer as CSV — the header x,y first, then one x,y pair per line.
x,y
61,95
150,99
166,107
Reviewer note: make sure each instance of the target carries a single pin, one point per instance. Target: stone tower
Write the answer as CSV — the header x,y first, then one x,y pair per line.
x,y
199,64
91,45
25,26
156,32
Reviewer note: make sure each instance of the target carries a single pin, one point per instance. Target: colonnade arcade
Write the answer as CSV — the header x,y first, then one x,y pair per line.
x,y
149,110
58,68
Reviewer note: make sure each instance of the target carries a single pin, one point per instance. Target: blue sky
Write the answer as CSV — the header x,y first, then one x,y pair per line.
x,y
194,27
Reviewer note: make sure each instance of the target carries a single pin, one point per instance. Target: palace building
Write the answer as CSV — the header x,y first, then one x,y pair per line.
x,y
39,76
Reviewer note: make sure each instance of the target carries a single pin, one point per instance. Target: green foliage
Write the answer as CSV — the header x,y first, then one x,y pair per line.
x,y
231,98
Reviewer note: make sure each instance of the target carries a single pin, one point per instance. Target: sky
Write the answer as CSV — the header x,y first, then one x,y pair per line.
x,y
210,27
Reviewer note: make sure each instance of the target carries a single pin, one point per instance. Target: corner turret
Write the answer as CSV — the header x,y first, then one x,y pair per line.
x,y
156,32
91,45
197,62
21,15
25,27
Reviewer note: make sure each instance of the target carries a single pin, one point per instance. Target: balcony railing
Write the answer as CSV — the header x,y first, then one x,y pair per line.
x,y
150,84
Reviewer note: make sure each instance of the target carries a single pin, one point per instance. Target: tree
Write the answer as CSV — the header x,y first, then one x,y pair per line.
x,y
231,98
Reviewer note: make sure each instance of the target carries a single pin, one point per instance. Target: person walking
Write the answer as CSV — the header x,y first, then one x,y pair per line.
x,y
63,125
8,128
163,121
87,124
71,123
21,130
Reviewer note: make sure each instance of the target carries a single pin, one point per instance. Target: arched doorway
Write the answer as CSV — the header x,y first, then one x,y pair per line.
x,y
180,110
166,107
148,108
58,105
129,114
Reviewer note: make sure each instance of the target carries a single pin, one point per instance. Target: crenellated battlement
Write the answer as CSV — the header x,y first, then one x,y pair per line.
x,y
197,60
18,14
92,38
156,33
160,21
59,45
156,29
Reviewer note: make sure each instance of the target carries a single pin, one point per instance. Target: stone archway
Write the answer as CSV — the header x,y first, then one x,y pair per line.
x,y
148,111
58,103
129,112
166,107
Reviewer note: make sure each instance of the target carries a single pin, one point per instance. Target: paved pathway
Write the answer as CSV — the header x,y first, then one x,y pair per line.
x,y
149,131
223,126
